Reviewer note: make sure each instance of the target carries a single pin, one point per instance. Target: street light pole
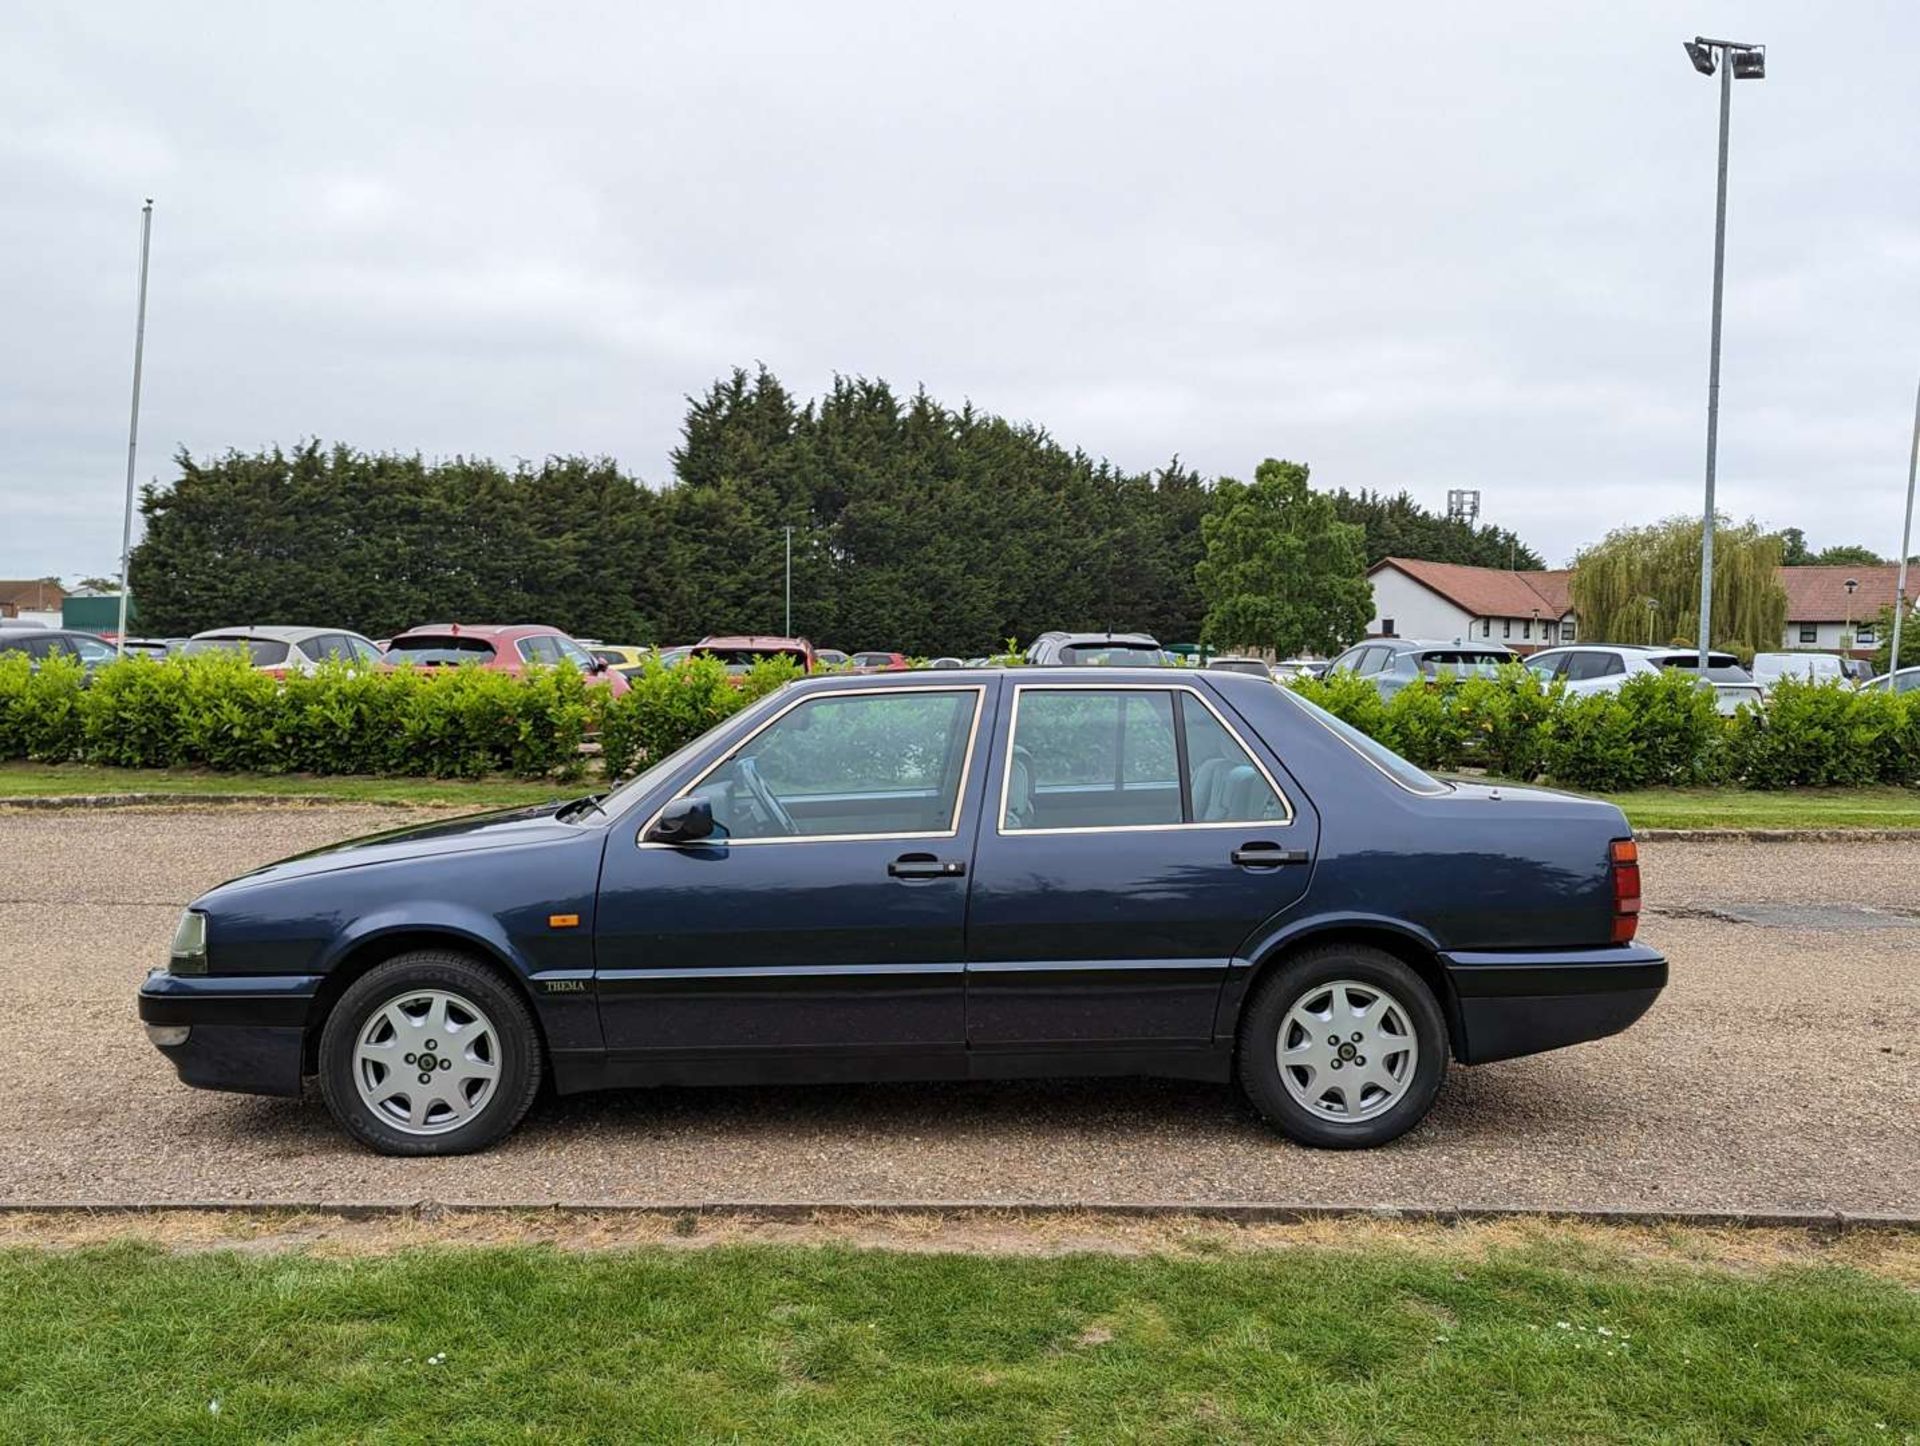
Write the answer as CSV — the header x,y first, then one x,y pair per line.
x,y
1906,538
789,631
1749,61
133,424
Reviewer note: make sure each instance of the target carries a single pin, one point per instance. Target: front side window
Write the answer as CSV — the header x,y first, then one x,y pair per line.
x,y
839,765
1088,758
538,650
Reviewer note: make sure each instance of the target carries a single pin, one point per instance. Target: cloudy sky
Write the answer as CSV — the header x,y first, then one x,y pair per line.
x,y
1414,245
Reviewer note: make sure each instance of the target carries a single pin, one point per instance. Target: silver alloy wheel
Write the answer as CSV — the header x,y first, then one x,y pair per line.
x,y
427,1061
1347,1050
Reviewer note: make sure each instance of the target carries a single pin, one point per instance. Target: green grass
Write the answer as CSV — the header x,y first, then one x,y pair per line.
x,y
793,1343
52,780
1878,807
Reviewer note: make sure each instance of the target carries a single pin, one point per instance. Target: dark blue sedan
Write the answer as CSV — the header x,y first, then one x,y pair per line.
x,y
995,874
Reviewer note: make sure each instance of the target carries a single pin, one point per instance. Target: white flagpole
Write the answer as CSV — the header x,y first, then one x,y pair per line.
x,y
133,424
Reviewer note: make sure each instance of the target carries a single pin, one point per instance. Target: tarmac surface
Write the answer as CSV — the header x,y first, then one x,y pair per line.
x,y
1779,1072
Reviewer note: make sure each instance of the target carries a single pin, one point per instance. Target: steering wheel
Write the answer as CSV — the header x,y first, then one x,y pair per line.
x,y
762,795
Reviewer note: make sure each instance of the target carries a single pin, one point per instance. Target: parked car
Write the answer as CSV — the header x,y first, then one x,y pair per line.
x,y
1252,667
1390,664
284,650
1196,875
1080,650
502,647
41,643
880,662
829,658
1288,669
1769,668
739,654
1858,669
1903,681
147,647
943,664
1605,667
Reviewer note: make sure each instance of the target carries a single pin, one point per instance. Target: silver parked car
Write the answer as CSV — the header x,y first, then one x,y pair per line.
x,y
1809,667
1390,664
298,650
1113,650
1903,681
1605,668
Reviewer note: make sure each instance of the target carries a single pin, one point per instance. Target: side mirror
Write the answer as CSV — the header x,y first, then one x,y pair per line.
x,y
597,665
685,820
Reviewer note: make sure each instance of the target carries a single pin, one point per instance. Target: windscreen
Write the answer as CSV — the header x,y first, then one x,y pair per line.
x,y
1721,667
264,652
1461,663
432,650
1112,654
741,660
1378,754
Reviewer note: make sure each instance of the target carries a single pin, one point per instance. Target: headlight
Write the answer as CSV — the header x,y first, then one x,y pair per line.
x,y
189,953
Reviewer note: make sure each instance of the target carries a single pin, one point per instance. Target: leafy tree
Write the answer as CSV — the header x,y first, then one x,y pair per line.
x,y
1793,548
1281,570
97,584
1398,526
1909,640
1847,555
1614,579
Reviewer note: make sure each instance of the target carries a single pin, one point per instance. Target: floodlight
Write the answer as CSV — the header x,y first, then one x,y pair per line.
x,y
1749,64
1701,55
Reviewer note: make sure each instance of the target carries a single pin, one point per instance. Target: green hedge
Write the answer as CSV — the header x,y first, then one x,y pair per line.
x,y
217,712
1659,730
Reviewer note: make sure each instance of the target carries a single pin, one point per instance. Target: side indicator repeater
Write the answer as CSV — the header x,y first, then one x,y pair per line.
x,y
563,921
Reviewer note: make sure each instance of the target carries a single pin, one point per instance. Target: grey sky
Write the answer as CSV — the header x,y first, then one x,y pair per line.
x,y
1413,245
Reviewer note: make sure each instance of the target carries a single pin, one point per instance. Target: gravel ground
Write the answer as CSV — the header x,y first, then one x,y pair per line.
x,y
1779,1072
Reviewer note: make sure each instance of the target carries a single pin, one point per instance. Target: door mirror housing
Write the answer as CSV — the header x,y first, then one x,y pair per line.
x,y
685,820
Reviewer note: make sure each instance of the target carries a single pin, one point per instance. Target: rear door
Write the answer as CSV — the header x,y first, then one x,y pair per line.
x,y
822,927
1138,835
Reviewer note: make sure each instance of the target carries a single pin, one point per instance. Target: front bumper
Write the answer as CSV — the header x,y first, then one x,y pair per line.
x,y
243,1032
1522,1003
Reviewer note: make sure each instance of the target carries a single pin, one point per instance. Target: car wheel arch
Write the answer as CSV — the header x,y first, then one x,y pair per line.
x,y
1418,954
365,954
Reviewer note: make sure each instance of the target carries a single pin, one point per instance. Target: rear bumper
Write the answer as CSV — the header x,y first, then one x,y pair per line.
x,y
1513,1004
245,1033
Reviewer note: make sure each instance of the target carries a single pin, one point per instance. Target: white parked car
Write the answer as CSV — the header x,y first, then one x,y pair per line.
x,y
284,650
1770,668
1904,681
1605,668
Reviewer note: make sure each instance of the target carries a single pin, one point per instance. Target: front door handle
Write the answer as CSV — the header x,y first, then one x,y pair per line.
x,y
926,866
1264,855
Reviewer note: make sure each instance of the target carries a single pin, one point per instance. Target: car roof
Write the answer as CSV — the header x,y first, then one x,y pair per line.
x,y
270,634
1074,640
768,641
34,630
1456,645
1078,677
489,632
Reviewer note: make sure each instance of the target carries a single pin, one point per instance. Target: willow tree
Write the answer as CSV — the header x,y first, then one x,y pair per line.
x,y
1642,584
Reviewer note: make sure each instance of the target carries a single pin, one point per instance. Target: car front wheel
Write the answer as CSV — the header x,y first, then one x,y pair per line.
x,y
429,1053
1343,1047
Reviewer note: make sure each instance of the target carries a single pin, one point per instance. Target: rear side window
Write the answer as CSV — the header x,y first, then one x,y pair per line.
x,y
430,650
1378,754
1584,666
1090,758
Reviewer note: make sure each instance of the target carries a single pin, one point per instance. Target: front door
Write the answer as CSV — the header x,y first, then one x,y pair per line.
x,y
1137,841
821,930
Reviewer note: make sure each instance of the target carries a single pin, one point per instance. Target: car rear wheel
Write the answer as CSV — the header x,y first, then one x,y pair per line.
x,y
1343,1047
429,1053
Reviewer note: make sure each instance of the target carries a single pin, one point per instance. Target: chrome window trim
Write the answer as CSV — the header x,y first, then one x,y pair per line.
x,y
979,691
1092,685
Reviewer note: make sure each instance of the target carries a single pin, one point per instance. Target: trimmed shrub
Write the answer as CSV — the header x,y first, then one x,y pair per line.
x,y
1505,719
1823,734
40,708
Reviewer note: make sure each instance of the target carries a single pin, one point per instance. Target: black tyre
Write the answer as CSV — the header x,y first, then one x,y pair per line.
x,y
1343,1047
430,1053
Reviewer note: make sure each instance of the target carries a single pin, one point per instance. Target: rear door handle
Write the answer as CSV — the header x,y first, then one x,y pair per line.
x,y
1267,856
926,866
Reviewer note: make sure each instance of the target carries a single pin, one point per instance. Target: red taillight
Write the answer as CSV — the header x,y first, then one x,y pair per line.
x,y
1624,855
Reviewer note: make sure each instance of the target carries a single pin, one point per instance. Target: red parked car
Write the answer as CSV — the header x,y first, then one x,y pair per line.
x,y
742,652
504,647
880,663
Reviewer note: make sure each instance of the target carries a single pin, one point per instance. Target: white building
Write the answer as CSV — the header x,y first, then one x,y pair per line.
x,y
1445,600
1820,609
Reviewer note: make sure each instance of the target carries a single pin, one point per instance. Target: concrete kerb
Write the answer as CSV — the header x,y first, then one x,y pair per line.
x,y
1230,1212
